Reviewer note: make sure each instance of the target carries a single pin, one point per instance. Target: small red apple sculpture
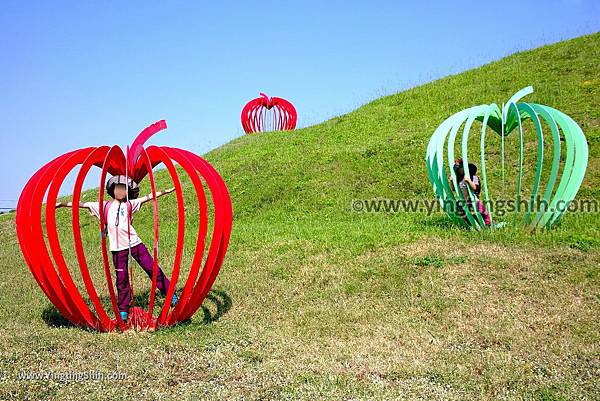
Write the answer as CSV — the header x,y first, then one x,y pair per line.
x,y
268,114
49,267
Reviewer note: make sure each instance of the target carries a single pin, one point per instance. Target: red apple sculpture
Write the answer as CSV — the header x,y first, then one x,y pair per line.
x,y
268,114
49,266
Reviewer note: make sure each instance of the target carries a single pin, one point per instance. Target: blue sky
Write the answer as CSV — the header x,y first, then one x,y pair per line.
x,y
78,74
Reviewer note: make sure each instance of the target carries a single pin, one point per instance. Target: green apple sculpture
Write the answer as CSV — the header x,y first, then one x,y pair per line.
x,y
555,199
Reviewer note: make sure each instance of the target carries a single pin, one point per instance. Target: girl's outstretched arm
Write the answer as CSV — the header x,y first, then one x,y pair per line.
x,y
69,204
148,197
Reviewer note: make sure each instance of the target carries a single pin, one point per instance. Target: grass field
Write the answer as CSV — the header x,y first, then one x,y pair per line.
x,y
315,301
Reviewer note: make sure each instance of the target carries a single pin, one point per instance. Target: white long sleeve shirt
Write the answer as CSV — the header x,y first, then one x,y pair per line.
x,y
116,221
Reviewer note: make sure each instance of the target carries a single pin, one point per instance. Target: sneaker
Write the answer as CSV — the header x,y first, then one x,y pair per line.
x,y
174,300
124,315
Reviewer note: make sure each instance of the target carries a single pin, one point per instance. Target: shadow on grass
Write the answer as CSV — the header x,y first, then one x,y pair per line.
x,y
438,222
222,302
220,299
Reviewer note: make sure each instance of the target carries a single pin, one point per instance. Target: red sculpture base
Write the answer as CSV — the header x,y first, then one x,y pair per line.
x,y
138,319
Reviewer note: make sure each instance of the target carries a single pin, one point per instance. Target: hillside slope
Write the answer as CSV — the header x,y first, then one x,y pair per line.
x,y
316,301
378,149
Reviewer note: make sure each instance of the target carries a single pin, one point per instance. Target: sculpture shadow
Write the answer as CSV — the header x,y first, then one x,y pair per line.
x,y
444,222
220,299
222,302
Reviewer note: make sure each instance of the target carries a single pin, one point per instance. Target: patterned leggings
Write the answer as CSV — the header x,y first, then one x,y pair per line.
x,y
142,256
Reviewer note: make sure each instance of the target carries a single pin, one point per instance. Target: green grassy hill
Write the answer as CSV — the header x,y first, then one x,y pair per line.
x,y
315,301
